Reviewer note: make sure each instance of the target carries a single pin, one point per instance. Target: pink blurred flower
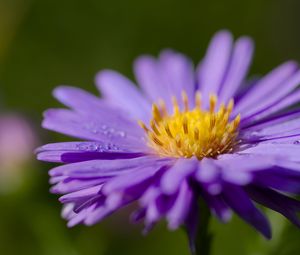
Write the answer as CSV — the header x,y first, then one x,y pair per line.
x,y
17,142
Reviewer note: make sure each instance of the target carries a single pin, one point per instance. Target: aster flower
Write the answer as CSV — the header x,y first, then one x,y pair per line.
x,y
184,135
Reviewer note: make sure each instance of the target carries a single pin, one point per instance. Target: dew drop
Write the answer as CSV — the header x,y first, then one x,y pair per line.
x,y
93,147
297,142
95,131
122,134
81,146
111,130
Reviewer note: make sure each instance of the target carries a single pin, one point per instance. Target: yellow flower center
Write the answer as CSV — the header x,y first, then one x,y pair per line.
x,y
192,132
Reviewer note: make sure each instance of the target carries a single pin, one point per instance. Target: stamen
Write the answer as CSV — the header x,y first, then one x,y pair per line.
x,y
185,125
162,107
212,103
237,120
154,128
185,101
196,134
230,106
193,132
143,126
168,131
178,141
156,113
175,105
198,99
156,140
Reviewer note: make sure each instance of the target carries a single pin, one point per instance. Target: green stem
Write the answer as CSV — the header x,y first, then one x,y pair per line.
x,y
204,237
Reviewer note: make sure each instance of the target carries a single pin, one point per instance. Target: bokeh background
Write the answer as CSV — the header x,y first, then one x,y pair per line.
x,y
45,43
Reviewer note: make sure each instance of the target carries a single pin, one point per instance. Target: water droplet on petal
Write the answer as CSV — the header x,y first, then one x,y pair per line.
x,y
297,142
122,134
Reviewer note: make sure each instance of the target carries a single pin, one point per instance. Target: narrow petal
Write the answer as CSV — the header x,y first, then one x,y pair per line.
x,y
180,210
147,73
102,168
123,93
178,74
218,207
284,128
81,194
238,68
283,104
239,201
69,185
273,120
174,176
81,151
168,76
82,101
279,178
275,97
119,133
263,88
281,151
287,206
214,65
144,173
209,176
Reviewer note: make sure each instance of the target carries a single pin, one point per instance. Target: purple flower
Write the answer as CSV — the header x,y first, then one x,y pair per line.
x,y
185,134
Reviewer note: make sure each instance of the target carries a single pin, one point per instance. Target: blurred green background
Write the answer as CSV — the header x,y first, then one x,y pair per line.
x,y
45,43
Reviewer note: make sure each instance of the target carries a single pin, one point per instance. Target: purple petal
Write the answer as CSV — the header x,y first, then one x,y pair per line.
x,y
284,103
152,212
274,130
81,194
179,212
119,133
69,185
147,72
70,152
102,168
172,179
79,217
214,66
67,211
82,101
282,179
287,206
262,108
239,201
262,90
238,68
113,202
166,77
123,93
177,73
192,223
140,175
273,120
280,151
218,207
209,176
229,168
207,171
245,162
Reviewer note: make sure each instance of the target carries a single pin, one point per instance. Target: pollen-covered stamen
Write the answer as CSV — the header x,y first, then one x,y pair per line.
x,y
192,132
185,101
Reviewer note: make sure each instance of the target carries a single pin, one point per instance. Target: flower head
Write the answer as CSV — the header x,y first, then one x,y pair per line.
x,y
196,132
184,135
